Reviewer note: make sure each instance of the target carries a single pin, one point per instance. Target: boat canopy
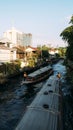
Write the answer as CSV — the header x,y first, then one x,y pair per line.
x,y
40,71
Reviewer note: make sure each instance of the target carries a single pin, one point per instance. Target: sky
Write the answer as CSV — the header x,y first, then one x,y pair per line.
x,y
44,19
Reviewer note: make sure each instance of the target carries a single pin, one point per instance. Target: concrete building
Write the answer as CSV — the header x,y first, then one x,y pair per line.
x,y
18,38
27,39
7,54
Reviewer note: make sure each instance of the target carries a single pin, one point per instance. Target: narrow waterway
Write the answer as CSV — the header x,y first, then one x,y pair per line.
x,y
14,98
67,90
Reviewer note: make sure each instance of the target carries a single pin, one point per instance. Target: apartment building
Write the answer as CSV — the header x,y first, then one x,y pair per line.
x,y
27,39
18,38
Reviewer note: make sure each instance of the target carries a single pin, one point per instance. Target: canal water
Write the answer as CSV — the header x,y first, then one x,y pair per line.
x,y
14,98
67,90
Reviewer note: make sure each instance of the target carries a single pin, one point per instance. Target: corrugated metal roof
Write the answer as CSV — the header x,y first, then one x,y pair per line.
x,y
38,72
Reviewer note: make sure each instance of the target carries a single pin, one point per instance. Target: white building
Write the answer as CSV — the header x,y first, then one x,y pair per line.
x,y
7,54
18,38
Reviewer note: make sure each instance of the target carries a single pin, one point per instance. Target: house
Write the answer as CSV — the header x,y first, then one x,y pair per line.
x,y
6,42
53,51
20,52
30,51
7,53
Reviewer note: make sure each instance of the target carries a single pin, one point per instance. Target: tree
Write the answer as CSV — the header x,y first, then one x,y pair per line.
x,y
45,54
67,35
44,47
62,51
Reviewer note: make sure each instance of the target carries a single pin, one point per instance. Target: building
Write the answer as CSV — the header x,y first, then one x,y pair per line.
x,y
27,39
18,38
7,53
6,42
53,51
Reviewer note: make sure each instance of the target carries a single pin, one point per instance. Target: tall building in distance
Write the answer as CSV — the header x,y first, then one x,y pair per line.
x,y
27,39
18,38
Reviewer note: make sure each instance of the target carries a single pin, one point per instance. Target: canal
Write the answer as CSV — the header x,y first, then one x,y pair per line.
x,y
14,98
67,91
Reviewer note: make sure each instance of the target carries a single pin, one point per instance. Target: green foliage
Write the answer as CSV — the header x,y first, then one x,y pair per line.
x,y
31,63
18,62
57,55
67,35
62,51
12,68
69,75
45,54
69,53
71,21
45,48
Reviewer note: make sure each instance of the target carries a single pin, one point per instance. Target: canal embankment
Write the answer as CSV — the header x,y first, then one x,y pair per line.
x,y
12,70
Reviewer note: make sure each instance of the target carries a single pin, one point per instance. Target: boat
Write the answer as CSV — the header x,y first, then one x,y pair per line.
x,y
38,75
48,106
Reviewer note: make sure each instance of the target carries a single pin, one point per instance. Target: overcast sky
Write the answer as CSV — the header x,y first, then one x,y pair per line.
x,y
45,19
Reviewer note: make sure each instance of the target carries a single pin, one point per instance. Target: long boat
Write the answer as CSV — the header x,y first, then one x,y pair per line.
x,y
45,112
38,75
